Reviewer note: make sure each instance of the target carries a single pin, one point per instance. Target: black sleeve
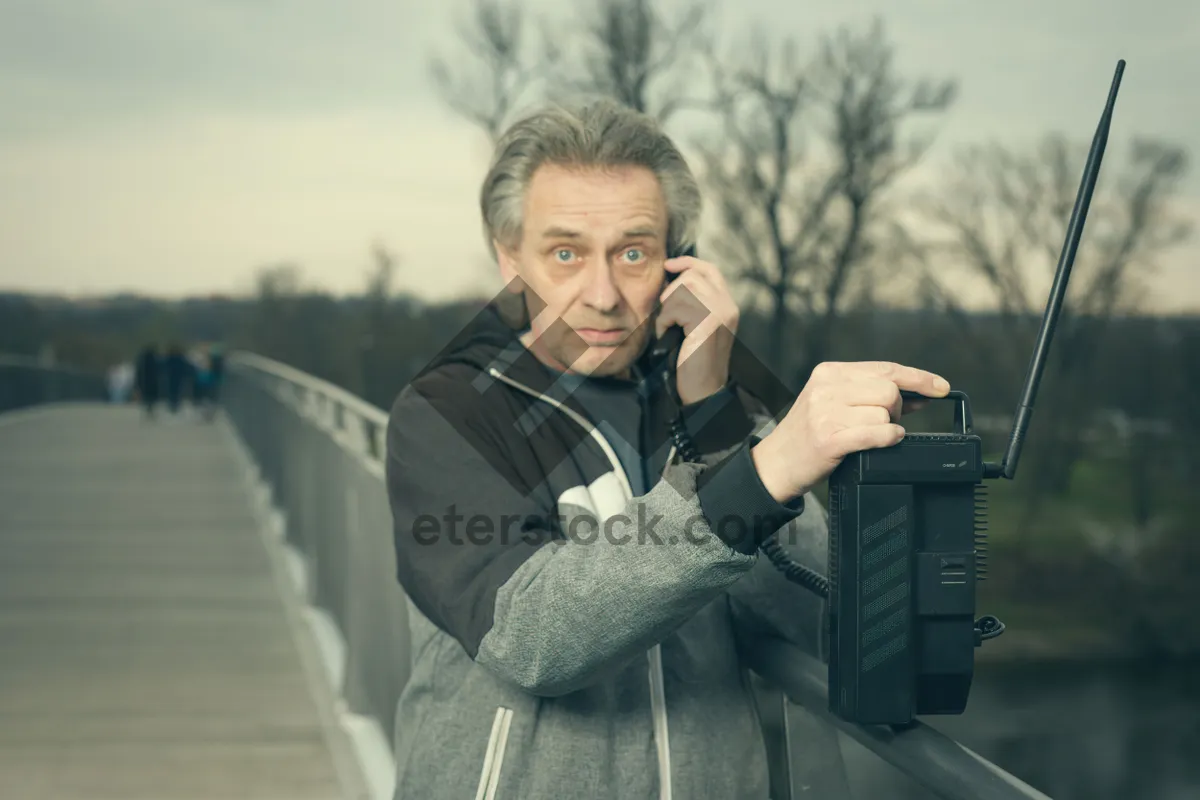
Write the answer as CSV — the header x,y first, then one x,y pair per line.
x,y
738,506
718,422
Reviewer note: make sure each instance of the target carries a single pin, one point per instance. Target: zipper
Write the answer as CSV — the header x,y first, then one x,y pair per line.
x,y
658,705
493,760
658,700
592,430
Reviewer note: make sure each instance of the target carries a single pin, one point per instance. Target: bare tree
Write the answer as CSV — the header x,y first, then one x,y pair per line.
x,y
631,52
623,49
492,69
277,280
1002,220
801,178
271,322
380,279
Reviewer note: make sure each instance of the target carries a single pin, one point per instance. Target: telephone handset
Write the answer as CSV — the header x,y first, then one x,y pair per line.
x,y
664,353
672,339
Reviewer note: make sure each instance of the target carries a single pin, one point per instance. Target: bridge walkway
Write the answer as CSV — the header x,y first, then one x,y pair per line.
x,y
148,645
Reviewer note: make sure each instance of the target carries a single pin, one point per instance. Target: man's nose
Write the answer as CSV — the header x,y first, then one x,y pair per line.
x,y
600,290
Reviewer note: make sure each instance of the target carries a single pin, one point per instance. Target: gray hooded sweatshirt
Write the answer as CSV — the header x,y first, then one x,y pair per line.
x,y
575,635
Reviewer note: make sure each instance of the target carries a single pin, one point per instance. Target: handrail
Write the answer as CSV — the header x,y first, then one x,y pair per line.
x,y
930,757
33,362
333,408
934,760
26,381
349,400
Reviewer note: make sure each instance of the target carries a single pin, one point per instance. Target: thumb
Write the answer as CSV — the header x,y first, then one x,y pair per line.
x,y
663,320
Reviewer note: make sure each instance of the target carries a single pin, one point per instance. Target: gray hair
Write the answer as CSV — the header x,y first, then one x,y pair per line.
x,y
600,134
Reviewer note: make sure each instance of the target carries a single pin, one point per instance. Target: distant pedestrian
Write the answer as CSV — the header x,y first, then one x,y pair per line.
x,y
149,378
179,374
121,380
216,373
198,358
202,399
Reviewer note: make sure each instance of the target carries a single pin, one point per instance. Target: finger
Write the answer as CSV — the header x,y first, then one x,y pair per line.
x,y
863,416
664,319
682,308
681,311
698,337
870,392
867,437
697,280
704,271
705,301
681,282
927,383
677,271
681,263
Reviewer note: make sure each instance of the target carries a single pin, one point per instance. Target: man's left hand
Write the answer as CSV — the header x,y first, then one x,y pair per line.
x,y
699,301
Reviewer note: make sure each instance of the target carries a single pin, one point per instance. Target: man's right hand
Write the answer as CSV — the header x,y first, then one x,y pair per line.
x,y
845,407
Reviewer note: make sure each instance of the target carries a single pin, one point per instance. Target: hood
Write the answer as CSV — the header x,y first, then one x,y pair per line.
x,y
490,339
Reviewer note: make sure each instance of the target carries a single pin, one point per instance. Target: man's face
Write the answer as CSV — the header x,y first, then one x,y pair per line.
x,y
592,253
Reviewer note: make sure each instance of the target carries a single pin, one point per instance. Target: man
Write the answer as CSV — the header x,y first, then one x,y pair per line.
x,y
120,382
179,371
148,378
216,372
580,590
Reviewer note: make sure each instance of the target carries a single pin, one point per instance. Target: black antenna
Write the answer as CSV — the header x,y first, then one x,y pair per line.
x,y
1058,290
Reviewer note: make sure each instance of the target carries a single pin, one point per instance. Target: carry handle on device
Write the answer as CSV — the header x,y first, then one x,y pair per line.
x,y
964,421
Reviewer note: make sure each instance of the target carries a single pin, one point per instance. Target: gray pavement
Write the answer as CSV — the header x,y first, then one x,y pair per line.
x,y
146,649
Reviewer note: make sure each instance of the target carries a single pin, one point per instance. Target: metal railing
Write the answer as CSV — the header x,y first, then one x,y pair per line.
x,y
934,760
28,382
321,451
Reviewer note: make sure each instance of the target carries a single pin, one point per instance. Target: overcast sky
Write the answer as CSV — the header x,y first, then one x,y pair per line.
x,y
174,147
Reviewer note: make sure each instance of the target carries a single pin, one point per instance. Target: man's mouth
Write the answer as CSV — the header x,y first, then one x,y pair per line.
x,y
601,336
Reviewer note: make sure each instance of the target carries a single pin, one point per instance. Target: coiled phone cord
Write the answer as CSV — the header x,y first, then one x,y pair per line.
x,y
794,571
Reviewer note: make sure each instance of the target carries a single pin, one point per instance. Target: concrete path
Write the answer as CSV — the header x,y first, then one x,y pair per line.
x,y
146,647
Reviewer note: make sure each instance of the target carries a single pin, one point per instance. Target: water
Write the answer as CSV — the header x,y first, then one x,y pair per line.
x,y
1073,731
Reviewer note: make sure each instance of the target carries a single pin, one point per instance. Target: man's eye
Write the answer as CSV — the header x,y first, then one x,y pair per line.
x,y
633,254
563,255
